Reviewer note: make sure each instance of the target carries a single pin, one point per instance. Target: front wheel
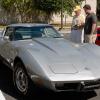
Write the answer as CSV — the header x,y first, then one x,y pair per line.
x,y
21,79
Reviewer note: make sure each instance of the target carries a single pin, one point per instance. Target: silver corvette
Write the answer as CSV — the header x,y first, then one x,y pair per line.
x,y
38,53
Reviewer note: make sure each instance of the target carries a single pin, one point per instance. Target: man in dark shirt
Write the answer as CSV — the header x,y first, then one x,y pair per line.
x,y
90,25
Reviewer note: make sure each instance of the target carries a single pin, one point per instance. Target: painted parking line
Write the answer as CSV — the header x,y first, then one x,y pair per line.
x,y
2,96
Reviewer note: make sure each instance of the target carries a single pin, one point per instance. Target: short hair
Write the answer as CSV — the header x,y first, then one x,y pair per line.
x,y
87,6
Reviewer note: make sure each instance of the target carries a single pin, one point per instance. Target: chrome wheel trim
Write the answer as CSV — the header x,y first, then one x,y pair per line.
x,y
21,80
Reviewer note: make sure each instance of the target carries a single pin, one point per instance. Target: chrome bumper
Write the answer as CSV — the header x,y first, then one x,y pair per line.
x,y
78,86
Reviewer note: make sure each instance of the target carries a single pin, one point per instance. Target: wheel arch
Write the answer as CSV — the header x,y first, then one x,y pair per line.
x,y
18,59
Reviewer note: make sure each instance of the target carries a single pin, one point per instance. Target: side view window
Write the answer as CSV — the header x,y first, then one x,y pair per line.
x,y
9,32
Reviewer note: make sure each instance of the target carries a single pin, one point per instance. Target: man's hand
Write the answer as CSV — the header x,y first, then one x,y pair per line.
x,y
92,38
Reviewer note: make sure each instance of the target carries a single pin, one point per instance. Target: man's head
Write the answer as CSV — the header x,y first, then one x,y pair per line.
x,y
87,9
77,10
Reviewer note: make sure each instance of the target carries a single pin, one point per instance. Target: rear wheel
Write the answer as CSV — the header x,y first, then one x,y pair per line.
x,y
21,79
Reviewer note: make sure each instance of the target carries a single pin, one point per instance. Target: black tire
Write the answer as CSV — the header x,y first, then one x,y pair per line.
x,y
21,80
1,62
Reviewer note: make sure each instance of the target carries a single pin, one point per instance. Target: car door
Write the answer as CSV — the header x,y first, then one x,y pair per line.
x,y
7,50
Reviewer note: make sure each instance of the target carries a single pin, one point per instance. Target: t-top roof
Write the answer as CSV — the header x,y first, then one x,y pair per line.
x,y
28,25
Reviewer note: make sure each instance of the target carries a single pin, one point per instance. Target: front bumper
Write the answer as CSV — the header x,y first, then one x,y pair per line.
x,y
77,86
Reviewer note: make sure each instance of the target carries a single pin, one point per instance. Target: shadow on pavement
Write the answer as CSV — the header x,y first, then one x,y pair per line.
x,y
6,85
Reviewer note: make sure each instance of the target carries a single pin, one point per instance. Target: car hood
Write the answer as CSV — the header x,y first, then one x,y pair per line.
x,y
60,54
64,57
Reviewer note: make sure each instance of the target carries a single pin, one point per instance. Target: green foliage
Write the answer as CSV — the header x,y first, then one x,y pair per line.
x,y
98,9
24,8
21,8
27,9
55,5
48,5
7,4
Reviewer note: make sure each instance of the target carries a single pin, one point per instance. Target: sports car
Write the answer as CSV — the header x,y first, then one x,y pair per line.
x,y
38,53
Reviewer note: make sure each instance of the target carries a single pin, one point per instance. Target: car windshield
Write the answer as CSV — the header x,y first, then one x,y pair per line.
x,y
35,32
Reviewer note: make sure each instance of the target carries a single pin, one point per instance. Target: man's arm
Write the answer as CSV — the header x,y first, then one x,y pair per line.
x,y
94,25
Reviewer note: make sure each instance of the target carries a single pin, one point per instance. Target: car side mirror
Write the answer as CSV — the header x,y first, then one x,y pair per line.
x,y
6,38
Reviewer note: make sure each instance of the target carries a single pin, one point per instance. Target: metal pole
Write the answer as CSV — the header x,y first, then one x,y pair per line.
x,y
65,19
61,14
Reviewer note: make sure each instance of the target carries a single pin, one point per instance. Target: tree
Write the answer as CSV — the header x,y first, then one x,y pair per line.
x,y
52,6
24,9
29,10
98,9
8,9
48,7
21,8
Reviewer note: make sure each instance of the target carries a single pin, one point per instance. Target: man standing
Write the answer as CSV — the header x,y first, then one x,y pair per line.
x,y
77,26
90,25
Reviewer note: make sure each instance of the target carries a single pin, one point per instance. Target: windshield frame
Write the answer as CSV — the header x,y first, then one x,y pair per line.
x,y
58,35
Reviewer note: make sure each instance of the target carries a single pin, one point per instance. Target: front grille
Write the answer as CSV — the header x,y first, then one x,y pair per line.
x,y
67,86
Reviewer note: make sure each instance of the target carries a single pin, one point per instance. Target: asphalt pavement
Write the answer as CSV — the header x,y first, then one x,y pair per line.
x,y
9,92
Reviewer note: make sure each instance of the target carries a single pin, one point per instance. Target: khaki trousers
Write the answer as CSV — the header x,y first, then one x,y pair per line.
x,y
90,38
